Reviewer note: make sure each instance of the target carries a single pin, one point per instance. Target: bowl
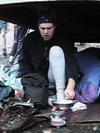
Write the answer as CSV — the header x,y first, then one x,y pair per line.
x,y
63,104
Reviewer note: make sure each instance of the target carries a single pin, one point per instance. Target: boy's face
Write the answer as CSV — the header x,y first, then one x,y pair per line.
x,y
46,30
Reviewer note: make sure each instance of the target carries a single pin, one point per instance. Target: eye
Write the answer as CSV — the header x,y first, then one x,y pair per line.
x,y
42,28
49,28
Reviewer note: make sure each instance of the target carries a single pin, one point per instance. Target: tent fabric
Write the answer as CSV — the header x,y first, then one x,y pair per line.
x,y
88,89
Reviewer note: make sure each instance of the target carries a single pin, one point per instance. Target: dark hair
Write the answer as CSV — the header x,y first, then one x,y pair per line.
x,y
47,17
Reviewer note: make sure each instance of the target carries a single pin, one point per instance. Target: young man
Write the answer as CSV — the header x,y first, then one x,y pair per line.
x,y
48,52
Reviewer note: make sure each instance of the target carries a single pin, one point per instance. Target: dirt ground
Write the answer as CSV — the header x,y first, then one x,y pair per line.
x,y
70,128
85,121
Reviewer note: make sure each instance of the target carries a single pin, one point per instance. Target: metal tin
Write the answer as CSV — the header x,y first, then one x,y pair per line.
x,y
57,119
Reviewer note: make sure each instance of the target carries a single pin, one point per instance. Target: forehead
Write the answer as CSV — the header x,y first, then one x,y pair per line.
x,y
46,25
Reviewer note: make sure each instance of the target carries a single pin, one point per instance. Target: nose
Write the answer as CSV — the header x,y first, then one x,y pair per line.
x,y
46,31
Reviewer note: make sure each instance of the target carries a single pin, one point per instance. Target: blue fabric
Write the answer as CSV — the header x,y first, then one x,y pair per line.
x,y
4,92
88,88
14,68
3,25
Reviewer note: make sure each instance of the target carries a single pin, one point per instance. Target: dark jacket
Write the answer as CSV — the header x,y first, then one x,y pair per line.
x,y
35,52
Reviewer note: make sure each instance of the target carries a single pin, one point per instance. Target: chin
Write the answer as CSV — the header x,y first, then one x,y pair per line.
x,y
46,39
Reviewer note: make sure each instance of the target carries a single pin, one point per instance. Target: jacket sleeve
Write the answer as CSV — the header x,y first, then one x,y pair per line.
x,y
24,58
73,68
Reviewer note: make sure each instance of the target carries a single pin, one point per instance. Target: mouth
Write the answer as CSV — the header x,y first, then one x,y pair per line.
x,y
46,37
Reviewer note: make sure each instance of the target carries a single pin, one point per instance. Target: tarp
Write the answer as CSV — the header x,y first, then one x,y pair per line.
x,y
19,1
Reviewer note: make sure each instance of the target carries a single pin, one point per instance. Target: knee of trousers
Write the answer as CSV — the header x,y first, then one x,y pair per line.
x,y
56,52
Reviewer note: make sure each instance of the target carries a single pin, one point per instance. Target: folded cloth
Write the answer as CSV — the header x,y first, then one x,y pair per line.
x,y
78,106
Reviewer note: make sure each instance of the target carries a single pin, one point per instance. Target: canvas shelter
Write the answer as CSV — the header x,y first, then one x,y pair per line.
x,y
80,20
